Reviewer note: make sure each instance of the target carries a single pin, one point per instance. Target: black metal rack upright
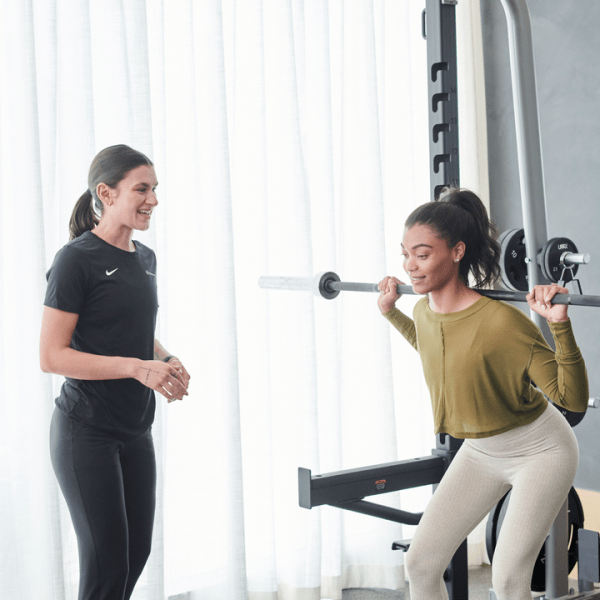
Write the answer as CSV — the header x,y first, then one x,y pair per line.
x,y
439,29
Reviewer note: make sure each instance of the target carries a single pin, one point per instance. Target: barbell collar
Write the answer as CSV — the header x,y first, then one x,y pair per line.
x,y
323,284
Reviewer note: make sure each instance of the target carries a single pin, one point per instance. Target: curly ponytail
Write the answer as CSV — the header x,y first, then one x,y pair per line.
x,y
109,166
460,216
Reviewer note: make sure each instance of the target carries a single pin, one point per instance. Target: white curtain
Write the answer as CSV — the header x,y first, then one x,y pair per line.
x,y
289,137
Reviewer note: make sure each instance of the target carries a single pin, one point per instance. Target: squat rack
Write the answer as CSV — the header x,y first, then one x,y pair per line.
x,y
439,29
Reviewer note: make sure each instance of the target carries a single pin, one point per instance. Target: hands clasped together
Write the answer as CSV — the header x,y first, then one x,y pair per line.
x,y
171,379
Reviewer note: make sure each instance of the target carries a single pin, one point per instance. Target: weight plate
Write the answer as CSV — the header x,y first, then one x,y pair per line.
x,y
550,256
512,260
538,579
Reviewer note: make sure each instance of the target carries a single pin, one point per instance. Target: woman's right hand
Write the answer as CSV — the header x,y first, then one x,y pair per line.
x,y
388,293
163,378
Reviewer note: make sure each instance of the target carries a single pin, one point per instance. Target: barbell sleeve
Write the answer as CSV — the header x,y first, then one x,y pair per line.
x,y
328,285
286,283
574,258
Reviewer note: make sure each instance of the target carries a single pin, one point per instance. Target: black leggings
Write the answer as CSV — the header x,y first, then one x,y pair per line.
x,y
110,488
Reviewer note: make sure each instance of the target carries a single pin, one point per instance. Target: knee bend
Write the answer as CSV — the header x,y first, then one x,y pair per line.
x,y
501,585
423,565
115,573
511,585
511,572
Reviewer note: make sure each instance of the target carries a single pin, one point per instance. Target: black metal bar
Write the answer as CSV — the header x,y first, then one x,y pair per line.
x,y
355,484
382,512
442,94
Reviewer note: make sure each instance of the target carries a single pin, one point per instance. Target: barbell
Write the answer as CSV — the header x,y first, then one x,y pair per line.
x,y
328,285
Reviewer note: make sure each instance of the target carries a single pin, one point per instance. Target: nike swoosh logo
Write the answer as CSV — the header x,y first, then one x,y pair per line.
x,y
109,273
148,273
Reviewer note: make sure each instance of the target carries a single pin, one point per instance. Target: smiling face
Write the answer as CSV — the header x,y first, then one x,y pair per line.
x,y
131,202
428,261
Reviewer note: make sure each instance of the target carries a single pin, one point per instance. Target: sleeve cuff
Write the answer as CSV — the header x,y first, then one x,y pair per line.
x,y
564,337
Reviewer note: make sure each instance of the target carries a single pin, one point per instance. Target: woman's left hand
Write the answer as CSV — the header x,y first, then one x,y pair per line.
x,y
175,362
539,299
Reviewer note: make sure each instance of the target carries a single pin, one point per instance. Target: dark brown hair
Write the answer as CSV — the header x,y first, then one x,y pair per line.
x,y
460,216
110,166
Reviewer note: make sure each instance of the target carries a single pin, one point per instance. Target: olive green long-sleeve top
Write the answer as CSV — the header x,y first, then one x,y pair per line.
x,y
480,364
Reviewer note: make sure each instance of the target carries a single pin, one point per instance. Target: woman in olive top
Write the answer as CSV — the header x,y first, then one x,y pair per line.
x,y
488,370
98,331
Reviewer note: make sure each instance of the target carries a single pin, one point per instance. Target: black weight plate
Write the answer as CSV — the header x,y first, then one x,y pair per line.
x,y
550,259
512,260
576,518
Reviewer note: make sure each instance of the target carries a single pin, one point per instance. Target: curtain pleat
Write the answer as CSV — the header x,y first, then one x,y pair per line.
x,y
289,137
26,501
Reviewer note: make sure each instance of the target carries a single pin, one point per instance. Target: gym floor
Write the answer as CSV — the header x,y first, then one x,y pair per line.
x,y
480,582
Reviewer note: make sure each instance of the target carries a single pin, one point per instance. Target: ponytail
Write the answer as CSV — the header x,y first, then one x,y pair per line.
x,y
84,216
460,216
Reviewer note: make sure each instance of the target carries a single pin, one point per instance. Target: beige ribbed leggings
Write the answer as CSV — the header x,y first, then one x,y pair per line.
x,y
539,462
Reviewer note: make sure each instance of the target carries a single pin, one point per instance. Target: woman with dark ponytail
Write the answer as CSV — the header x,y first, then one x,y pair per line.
x,y
98,331
481,358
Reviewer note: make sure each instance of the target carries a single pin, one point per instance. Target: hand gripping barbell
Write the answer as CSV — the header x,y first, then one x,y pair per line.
x,y
328,285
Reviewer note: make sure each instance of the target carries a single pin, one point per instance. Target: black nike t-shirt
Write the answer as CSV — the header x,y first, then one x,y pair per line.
x,y
114,293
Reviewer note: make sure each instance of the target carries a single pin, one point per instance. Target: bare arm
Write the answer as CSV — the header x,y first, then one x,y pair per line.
x,y
160,352
57,356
